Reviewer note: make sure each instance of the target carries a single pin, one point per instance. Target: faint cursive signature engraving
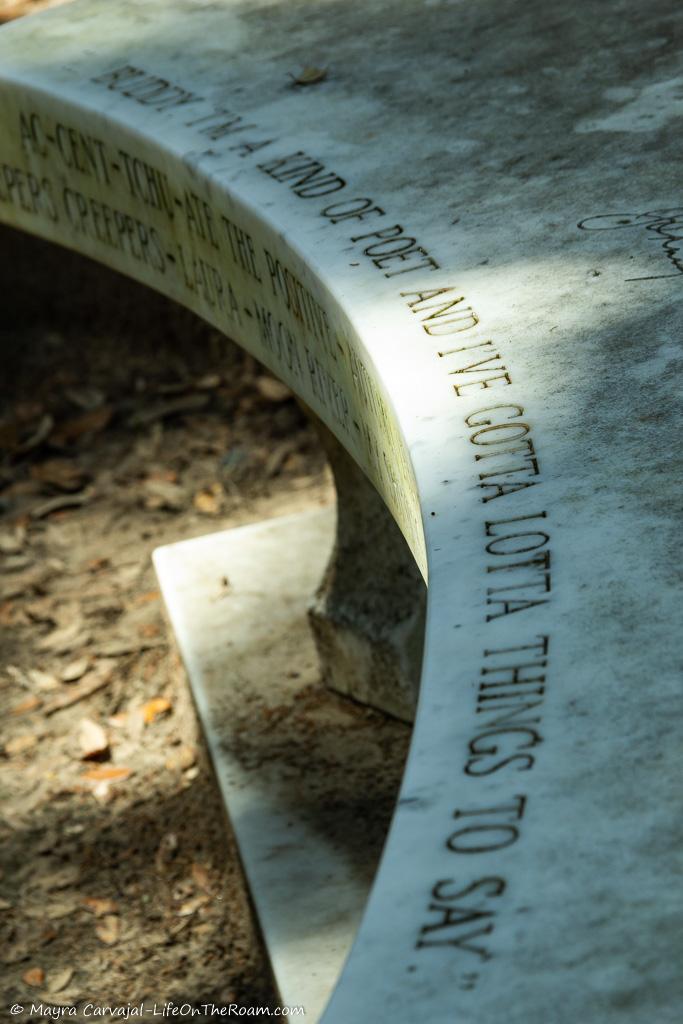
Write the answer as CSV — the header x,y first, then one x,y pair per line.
x,y
664,226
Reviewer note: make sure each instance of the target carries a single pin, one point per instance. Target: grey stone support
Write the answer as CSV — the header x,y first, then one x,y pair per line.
x,y
368,613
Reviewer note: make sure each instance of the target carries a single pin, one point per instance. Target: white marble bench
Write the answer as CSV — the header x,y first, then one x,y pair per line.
x,y
460,247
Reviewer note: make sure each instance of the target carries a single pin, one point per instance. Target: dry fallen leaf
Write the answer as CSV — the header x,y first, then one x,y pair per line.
x,y
129,645
18,952
207,502
61,473
182,759
97,564
100,907
180,926
34,976
17,676
14,563
162,473
87,398
186,403
200,876
24,584
50,879
48,934
104,792
41,610
44,681
93,740
135,724
60,979
11,9
92,682
310,76
56,504
191,906
40,433
75,670
119,720
66,999
8,613
148,629
20,744
107,773
153,708
22,489
58,909
33,581
89,423
272,390
187,757
108,929
278,457
208,382
159,494
52,910
65,638
12,541
204,929
29,703
167,851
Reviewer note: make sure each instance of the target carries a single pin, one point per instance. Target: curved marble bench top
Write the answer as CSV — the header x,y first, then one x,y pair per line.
x,y
461,248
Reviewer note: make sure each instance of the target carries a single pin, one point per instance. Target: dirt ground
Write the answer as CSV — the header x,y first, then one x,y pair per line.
x,y
125,423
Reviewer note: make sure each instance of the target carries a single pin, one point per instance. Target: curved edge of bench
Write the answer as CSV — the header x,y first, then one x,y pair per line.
x,y
274,300
295,323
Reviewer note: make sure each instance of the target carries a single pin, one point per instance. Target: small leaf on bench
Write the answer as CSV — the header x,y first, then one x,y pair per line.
x,y
310,76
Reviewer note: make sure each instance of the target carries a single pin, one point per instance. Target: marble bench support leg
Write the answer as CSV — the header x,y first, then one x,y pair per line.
x,y
368,613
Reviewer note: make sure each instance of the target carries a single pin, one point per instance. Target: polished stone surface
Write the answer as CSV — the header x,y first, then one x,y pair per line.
x,y
461,249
